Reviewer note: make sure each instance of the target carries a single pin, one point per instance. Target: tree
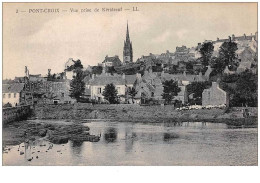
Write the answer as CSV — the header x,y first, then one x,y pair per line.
x,y
97,69
77,65
243,90
132,92
110,93
227,53
170,89
246,89
217,64
196,88
206,53
77,85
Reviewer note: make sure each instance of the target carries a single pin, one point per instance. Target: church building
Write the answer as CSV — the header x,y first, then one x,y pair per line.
x,y
128,51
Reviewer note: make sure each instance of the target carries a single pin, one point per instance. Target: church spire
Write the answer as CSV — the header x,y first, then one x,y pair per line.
x,y
128,50
127,33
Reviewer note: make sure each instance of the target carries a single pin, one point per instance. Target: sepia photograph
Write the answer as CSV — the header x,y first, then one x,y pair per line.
x,y
129,84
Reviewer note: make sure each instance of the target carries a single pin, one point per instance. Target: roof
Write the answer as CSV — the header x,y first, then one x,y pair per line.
x,y
105,79
114,59
130,79
13,88
182,77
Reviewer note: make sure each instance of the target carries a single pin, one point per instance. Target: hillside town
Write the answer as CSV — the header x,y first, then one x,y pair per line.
x,y
212,73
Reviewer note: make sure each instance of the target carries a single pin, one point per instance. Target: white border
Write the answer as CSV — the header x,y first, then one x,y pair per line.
x,y
127,174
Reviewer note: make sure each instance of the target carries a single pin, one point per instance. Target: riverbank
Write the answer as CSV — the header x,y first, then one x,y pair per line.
x,y
56,133
137,113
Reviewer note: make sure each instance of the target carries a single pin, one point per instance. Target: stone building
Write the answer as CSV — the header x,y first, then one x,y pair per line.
x,y
96,85
150,87
111,61
60,91
214,96
13,93
128,50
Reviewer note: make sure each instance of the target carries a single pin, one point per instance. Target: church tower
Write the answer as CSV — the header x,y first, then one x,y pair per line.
x,y
128,51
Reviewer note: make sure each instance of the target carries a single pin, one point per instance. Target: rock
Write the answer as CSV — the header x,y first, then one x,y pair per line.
x,y
32,138
21,152
38,151
42,132
37,157
59,139
30,159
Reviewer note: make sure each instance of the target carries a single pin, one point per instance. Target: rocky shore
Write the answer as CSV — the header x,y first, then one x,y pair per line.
x,y
56,133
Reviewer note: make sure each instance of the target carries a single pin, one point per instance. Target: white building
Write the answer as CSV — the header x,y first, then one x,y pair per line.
x,y
12,93
214,96
97,84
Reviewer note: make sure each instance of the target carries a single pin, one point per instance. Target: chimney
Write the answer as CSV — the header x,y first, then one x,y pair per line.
x,y
123,75
233,37
145,72
245,36
200,76
93,76
104,70
138,76
162,74
229,38
214,84
162,65
184,73
150,70
217,39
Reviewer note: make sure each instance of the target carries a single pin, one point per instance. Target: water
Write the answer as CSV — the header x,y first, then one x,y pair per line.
x,y
147,144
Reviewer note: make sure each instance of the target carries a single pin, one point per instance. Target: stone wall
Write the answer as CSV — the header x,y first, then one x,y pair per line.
x,y
11,114
123,112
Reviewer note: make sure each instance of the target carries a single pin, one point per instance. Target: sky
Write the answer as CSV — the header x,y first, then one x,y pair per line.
x,y
43,41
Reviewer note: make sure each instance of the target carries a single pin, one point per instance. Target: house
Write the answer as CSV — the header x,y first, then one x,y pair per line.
x,y
97,84
214,96
184,78
246,57
112,61
150,87
13,93
60,91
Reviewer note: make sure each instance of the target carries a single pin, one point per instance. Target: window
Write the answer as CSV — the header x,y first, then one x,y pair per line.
x,y
3,95
9,95
99,91
14,95
118,89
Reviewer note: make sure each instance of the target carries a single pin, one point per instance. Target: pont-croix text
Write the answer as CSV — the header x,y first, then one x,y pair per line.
x,y
76,10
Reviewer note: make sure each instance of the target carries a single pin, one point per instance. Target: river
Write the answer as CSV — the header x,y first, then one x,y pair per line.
x,y
125,143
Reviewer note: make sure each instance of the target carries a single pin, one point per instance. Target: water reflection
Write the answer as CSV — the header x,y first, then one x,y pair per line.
x,y
193,143
169,136
110,134
76,147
